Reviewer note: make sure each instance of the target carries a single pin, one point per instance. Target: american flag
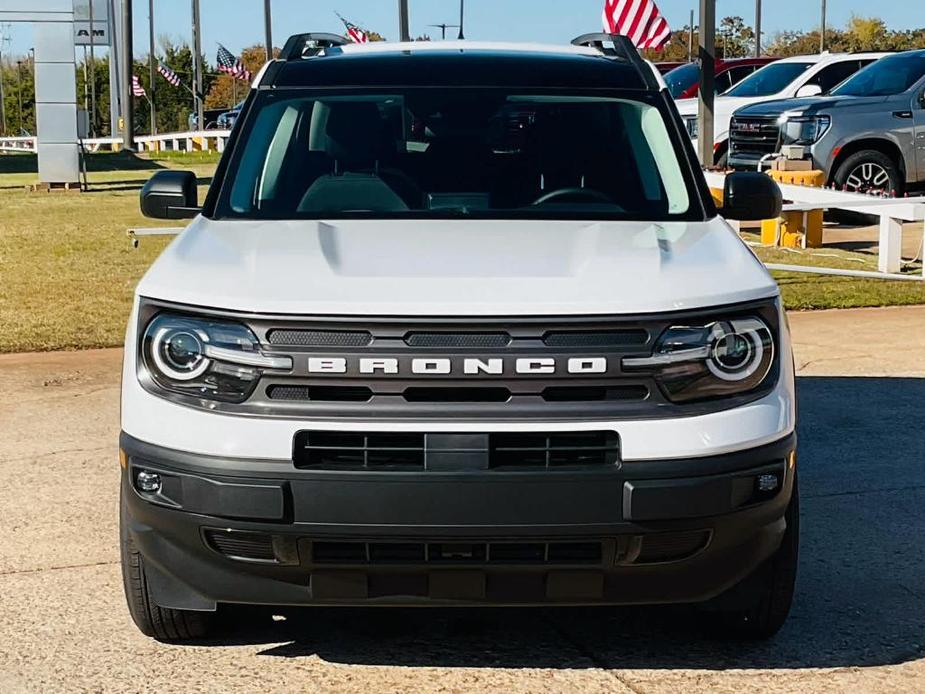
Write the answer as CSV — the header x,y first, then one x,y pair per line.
x,y
137,89
233,66
168,74
638,19
355,33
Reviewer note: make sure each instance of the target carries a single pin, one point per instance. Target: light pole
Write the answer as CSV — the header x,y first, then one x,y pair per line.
x,y
92,75
19,90
462,19
443,27
707,81
822,30
268,28
2,100
757,28
403,29
128,69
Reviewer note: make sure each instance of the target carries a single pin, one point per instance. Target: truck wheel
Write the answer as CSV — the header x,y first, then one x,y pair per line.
x,y
770,589
867,171
163,624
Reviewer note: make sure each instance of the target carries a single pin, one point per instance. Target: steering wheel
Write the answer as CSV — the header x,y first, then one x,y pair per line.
x,y
590,193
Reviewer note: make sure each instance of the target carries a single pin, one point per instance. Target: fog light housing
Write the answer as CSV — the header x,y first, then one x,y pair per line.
x,y
767,484
148,482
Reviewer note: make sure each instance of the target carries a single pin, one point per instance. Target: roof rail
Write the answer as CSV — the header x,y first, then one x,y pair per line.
x,y
307,45
621,48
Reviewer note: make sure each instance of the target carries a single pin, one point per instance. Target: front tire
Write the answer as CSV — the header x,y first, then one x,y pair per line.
x,y
868,172
161,623
770,588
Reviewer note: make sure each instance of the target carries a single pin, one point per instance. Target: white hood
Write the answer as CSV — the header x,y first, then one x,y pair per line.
x,y
456,268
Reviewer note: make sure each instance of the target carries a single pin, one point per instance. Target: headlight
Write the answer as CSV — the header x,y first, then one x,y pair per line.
x,y
212,360
803,130
690,122
720,359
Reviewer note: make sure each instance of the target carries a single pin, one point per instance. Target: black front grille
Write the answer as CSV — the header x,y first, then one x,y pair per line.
x,y
463,340
320,393
754,135
419,451
319,338
610,338
245,546
350,553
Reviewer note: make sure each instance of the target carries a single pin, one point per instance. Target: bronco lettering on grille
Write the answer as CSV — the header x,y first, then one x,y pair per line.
x,y
461,367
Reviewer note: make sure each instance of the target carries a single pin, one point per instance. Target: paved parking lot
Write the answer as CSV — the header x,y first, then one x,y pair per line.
x,y
858,624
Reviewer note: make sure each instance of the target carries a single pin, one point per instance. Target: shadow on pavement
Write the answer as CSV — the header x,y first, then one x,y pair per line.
x,y
861,588
103,161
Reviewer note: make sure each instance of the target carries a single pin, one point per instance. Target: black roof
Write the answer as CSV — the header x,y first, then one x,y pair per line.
x,y
453,67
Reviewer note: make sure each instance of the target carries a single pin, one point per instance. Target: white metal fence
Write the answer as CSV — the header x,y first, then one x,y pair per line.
x,y
892,212
196,141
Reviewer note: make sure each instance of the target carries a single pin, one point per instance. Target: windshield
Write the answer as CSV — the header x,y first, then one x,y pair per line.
x,y
888,76
681,79
436,152
769,80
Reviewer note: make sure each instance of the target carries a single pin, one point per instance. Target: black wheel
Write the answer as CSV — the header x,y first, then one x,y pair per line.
x,y
769,590
869,172
162,623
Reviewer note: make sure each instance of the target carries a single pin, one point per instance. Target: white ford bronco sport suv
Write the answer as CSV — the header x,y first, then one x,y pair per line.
x,y
458,324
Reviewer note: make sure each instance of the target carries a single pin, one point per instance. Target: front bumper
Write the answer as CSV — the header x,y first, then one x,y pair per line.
x,y
264,532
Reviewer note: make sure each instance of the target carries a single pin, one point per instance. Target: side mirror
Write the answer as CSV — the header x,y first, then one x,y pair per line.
x,y
749,196
170,195
809,90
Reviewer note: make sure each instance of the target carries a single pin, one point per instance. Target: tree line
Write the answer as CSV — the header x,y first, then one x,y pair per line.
x,y
174,105
736,39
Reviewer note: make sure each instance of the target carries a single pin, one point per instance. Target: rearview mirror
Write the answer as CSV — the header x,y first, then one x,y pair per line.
x,y
809,90
749,196
170,195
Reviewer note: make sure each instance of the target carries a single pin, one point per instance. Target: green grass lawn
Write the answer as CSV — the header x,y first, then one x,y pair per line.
x,y
67,268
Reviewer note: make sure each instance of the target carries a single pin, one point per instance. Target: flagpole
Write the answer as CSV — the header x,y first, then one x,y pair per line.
x,y
153,66
197,67
690,40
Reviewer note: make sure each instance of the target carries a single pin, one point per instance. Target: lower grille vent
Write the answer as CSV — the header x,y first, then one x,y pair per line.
x,y
410,451
457,553
665,547
359,450
555,450
255,547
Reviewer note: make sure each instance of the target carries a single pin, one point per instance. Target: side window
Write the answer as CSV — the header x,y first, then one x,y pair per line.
x,y
741,72
831,76
723,81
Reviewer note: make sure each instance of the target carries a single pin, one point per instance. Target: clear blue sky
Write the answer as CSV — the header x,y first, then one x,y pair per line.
x,y
239,23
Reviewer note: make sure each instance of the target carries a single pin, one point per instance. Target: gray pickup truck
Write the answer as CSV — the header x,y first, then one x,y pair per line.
x,y
867,134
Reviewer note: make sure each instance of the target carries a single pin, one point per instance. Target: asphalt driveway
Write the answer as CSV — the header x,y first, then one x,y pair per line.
x,y
858,623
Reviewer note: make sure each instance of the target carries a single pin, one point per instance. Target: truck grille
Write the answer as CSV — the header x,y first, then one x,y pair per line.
x,y
754,135
448,452
464,369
